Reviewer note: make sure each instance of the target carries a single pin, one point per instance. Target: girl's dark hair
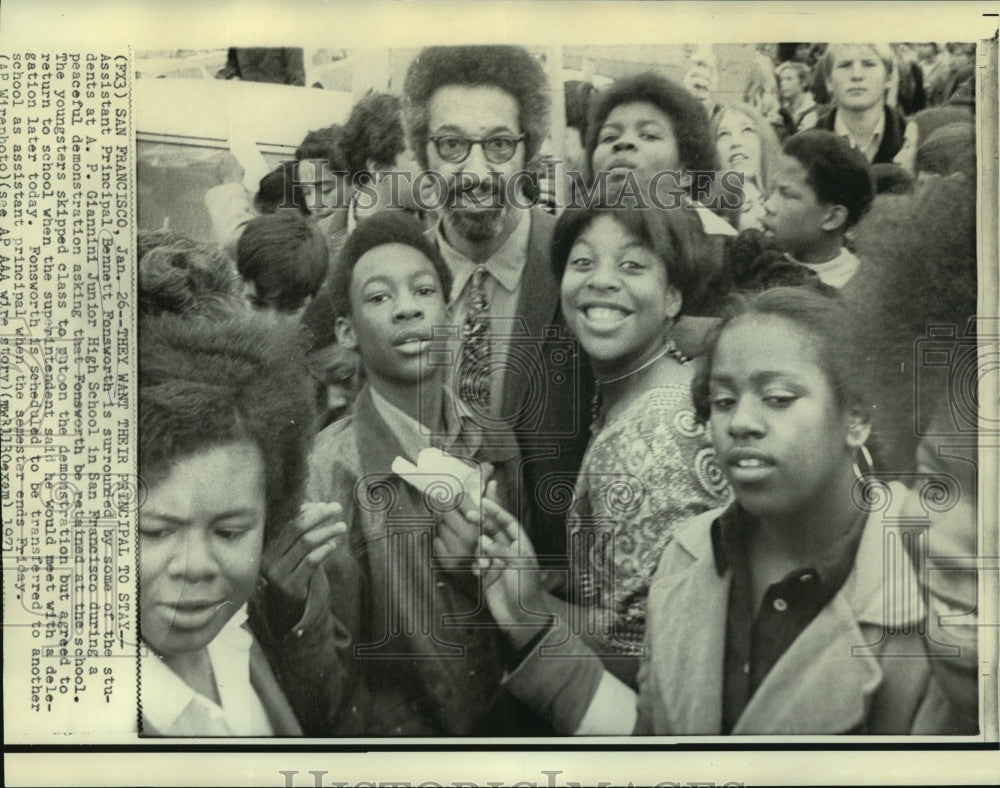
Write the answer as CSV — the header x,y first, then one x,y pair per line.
x,y
918,307
695,144
822,317
674,235
276,187
326,144
802,72
205,382
181,276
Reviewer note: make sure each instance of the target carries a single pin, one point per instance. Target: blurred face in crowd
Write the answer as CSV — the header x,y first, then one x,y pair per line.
x,y
961,56
335,368
322,190
636,137
616,296
395,192
737,144
201,535
926,51
857,78
457,114
789,84
396,300
944,496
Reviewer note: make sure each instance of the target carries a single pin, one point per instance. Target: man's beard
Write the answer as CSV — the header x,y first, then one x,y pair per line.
x,y
478,224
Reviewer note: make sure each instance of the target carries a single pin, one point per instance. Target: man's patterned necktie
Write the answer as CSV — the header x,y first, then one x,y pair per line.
x,y
474,373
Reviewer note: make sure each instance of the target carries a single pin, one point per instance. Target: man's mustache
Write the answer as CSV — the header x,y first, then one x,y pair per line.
x,y
466,190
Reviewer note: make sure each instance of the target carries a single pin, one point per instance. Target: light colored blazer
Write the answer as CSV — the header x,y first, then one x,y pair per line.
x,y
860,666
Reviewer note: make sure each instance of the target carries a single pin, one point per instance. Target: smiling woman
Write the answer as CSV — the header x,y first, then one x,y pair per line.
x,y
625,277
799,628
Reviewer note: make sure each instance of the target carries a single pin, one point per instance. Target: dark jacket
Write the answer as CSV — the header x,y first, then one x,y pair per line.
x,y
391,645
892,137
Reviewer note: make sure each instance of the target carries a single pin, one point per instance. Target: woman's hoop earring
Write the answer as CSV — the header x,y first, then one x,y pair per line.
x,y
867,457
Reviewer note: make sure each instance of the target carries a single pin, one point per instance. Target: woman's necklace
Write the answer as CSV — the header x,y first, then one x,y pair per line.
x,y
597,403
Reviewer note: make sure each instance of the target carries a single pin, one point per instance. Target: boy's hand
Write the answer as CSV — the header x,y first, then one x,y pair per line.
x,y
456,541
292,558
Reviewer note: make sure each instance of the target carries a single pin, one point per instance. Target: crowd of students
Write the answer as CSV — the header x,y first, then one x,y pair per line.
x,y
690,429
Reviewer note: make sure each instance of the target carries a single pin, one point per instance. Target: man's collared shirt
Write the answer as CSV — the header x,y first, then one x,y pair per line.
x,y
869,147
756,639
175,709
503,293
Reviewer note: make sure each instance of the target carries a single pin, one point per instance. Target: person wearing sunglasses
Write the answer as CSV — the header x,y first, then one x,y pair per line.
x,y
476,117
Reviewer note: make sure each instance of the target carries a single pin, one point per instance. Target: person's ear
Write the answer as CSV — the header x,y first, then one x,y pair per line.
x,y
672,301
345,333
834,218
859,429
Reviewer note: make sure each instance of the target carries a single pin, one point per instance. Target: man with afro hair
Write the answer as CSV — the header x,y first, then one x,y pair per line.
x,y
476,117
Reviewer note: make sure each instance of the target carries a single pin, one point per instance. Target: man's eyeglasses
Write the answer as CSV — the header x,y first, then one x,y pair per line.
x,y
455,148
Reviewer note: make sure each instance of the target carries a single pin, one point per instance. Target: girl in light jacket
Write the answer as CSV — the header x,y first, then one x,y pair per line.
x,y
795,610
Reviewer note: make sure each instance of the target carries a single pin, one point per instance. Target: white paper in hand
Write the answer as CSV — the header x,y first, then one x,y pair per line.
x,y
442,476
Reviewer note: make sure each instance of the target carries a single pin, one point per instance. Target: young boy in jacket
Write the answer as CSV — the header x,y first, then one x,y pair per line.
x,y
394,639
822,189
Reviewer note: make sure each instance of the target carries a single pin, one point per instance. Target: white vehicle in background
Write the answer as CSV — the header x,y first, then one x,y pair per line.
x,y
194,134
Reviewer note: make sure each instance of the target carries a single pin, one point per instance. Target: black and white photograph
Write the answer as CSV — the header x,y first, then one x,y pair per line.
x,y
485,384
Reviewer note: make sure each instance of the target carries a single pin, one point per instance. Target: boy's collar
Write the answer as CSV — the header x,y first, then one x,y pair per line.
x,y
868,148
411,434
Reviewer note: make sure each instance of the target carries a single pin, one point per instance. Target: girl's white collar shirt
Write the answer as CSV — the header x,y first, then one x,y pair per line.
x,y
173,708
